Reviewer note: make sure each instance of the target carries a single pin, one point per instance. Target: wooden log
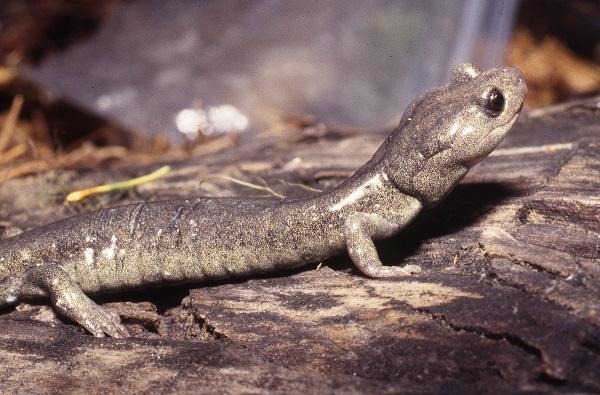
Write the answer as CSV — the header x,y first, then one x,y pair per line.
x,y
509,299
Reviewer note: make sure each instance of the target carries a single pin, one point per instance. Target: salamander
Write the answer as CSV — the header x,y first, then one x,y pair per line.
x,y
440,136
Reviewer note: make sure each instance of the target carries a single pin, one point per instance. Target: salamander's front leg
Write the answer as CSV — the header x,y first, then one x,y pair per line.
x,y
359,230
52,280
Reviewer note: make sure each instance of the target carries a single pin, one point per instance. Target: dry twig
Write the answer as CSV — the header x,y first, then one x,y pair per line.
x,y
10,123
265,187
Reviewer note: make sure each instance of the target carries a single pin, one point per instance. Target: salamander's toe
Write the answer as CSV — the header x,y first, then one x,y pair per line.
x,y
101,322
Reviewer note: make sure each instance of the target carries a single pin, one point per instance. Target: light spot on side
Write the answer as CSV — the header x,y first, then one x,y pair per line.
x,y
454,128
468,130
109,253
372,183
88,255
25,254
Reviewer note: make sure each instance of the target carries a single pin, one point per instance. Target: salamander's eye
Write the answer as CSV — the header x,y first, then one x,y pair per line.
x,y
493,102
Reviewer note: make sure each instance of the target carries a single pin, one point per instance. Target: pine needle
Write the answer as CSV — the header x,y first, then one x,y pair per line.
x,y
77,196
10,123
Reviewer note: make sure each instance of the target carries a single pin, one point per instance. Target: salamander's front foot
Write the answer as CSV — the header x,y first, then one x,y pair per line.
x,y
359,231
379,271
98,320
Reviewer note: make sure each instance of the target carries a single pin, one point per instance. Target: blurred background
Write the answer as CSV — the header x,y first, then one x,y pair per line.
x,y
89,83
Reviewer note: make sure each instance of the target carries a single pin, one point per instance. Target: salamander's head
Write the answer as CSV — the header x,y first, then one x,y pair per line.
x,y
451,128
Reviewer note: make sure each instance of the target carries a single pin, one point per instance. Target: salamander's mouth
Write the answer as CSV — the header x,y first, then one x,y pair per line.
x,y
507,126
492,139
520,108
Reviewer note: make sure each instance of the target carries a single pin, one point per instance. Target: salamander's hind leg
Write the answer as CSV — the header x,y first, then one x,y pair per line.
x,y
359,231
68,299
9,291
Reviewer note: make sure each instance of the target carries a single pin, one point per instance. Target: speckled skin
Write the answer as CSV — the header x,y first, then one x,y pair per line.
x,y
441,135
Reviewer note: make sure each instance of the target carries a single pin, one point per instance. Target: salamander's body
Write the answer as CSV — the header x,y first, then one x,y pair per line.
x,y
441,135
198,239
